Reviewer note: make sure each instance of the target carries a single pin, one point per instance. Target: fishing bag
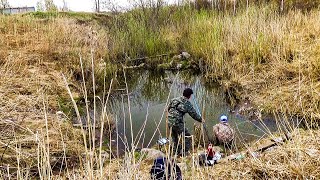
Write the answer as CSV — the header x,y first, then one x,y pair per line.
x,y
161,170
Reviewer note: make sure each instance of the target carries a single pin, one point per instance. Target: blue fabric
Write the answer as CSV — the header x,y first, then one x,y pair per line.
x,y
158,170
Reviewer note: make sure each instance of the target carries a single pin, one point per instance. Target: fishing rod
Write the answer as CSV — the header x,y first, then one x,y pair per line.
x,y
203,123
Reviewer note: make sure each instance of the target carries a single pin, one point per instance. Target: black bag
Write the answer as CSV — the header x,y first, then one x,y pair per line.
x,y
162,168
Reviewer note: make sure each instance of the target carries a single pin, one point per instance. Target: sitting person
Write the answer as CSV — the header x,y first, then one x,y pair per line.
x,y
223,133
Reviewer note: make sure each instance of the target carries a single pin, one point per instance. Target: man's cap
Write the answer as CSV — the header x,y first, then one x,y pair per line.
x,y
224,118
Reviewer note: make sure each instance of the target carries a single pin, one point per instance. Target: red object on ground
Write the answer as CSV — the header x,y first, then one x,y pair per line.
x,y
210,151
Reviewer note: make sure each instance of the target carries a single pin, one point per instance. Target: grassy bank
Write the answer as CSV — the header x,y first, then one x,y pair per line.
x,y
265,57
255,53
34,55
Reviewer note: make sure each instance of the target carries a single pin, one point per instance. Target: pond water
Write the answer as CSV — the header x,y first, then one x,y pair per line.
x,y
148,95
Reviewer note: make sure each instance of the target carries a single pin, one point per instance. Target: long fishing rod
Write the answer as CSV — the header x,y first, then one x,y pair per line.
x,y
203,123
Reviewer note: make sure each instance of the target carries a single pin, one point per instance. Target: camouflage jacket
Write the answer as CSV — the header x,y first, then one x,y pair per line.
x,y
223,132
177,108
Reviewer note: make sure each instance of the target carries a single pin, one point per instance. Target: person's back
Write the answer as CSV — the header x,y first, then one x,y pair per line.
x,y
178,107
223,131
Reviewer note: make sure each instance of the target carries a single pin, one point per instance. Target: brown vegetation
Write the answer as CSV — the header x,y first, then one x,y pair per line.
x,y
33,56
257,54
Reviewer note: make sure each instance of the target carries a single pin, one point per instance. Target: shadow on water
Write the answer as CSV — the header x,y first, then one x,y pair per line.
x,y
148,94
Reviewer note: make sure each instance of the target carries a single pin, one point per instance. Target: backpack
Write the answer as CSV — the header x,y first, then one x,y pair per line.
x,y
160,171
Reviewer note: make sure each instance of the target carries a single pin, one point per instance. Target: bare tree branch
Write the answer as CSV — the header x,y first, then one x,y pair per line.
x,y
4,4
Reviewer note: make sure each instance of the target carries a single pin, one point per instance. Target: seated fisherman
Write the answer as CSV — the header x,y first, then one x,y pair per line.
x,y
223,133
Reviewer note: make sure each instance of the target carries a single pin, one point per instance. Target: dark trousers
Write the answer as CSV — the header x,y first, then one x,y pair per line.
x,y
177,133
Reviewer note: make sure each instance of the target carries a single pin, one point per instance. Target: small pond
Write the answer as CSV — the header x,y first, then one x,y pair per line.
x,y
149,93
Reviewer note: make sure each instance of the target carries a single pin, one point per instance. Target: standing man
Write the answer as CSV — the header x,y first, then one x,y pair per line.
x,y
223,133
178,107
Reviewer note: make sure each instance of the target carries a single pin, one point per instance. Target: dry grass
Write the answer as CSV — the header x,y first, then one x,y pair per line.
x,y
34,53
269,58
296,159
